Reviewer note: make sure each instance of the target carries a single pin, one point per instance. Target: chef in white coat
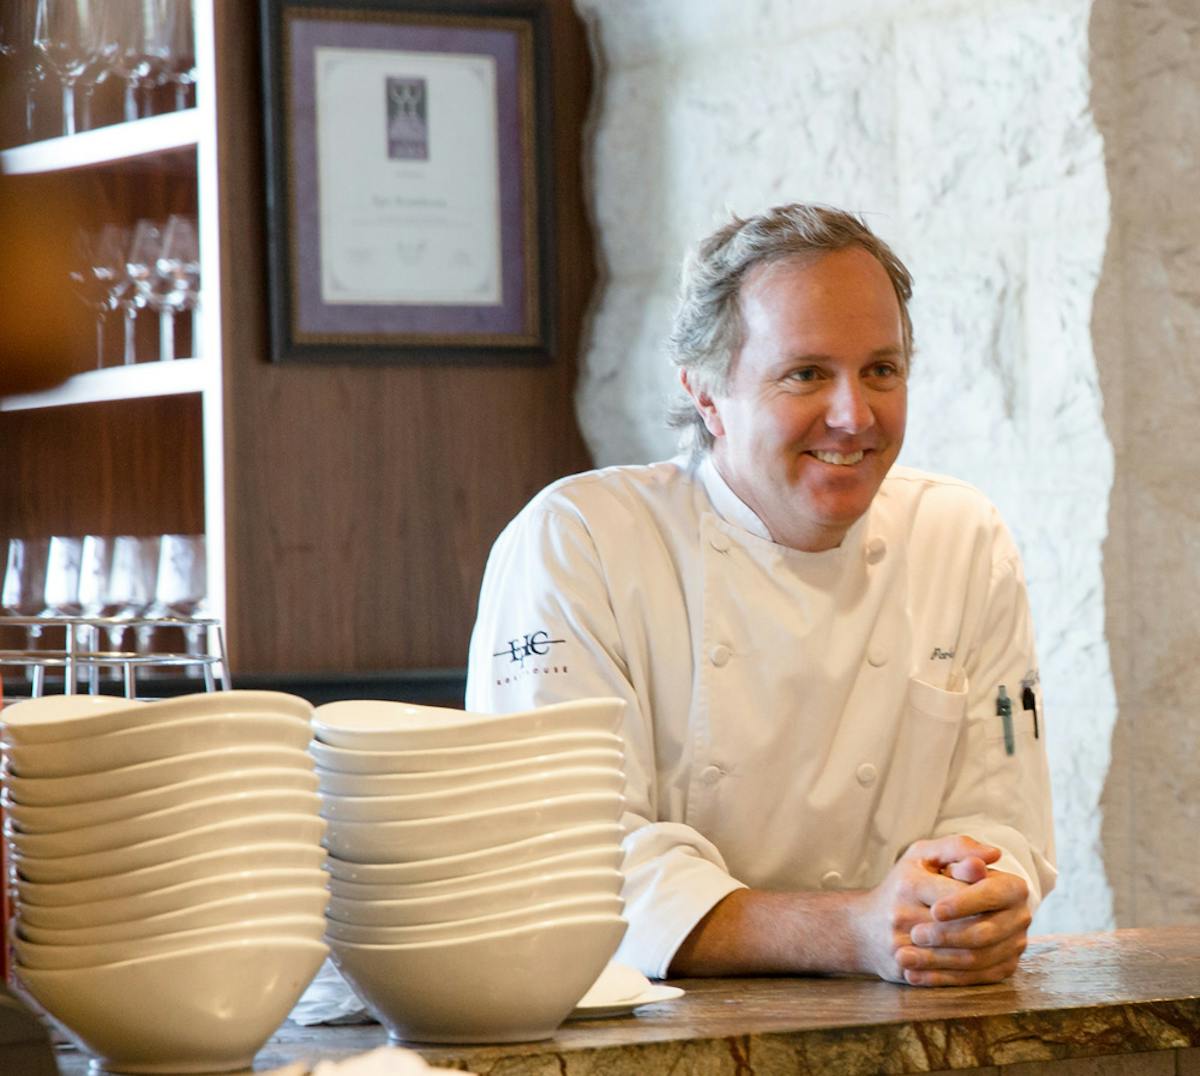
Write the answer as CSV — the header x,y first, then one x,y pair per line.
x,y
834,738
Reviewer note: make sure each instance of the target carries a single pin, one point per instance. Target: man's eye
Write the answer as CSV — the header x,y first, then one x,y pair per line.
x,y
884,371
809,373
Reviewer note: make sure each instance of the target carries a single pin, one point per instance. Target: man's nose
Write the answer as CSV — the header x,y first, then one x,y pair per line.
x,y
849,408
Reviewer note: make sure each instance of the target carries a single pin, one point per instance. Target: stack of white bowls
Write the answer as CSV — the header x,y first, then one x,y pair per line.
x,y
475,862
166,864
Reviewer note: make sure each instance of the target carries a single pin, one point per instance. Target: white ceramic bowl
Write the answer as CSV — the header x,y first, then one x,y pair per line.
x,y
66,717
91,754
363,724
170,820
144,776
507,986
207,1009
482,797
339,783
234,910
367,761
495,857
484,900
199,867
604,857
472,831
57,717
142,906
27,819
31,955
228,835
601,905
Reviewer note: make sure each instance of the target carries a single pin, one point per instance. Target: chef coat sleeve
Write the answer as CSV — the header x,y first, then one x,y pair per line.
x,y
996,797
545,579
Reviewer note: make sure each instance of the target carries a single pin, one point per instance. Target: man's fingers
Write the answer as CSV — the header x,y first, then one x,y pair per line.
x,y
997,973
998,891
940,852
969,870
974,932
916,958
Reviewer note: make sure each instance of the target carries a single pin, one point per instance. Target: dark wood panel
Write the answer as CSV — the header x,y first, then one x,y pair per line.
x,y
362,501
128,467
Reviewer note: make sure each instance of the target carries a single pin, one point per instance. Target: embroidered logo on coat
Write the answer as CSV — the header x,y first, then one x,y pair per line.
x,y
534,644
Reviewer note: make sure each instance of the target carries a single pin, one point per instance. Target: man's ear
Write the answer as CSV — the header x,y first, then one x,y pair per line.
x,y
705,404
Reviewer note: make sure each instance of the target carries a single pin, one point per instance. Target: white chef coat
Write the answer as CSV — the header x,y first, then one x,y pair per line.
x,y
794,720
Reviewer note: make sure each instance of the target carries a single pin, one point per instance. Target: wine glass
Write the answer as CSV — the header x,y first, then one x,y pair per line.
x,y
132,581
24,589
17,69
108,33
178,268
182,585
148,288
100,280
63,40
95,571
145,52
62,595
181,66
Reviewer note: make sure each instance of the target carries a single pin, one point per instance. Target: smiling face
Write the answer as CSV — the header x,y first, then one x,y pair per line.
x,y
813,414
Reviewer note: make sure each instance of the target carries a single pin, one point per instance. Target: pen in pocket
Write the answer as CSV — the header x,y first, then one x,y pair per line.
x,y
1004,712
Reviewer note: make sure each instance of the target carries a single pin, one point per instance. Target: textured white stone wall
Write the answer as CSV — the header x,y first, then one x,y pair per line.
x,y
964,133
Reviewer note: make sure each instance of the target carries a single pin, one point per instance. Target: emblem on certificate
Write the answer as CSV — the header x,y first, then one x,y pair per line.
x,y
407,119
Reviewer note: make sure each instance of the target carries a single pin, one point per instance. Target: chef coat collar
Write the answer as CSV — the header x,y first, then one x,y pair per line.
x,y
730,507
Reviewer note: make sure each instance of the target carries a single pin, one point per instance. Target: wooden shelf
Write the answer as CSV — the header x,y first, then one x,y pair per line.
x,y
105,145
116,383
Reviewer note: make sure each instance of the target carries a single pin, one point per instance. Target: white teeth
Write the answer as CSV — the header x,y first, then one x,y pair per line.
x,y
838,459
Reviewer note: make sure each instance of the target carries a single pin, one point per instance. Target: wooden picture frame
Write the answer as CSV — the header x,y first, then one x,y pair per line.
x,y
409,197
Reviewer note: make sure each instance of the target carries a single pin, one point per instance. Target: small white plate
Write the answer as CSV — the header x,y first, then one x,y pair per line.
x,y
601,1009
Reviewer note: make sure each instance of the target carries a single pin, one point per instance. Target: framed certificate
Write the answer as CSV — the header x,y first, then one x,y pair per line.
x,y
408,199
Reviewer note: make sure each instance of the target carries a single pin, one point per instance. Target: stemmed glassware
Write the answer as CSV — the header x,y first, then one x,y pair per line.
x,y
178,268
132,581
95,571
18,73
182,583
65,39
181,65
100,279
24,589
141,269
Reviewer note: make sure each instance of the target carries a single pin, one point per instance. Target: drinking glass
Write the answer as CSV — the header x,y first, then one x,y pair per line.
x,y
182,586
62,577
17,69
181,64
132,581
148,288
100,278
145,53
24,590
109,31
154,287
178,269
64,38
95,571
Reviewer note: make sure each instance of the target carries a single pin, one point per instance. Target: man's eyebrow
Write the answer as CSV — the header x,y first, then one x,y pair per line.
x,y
890,352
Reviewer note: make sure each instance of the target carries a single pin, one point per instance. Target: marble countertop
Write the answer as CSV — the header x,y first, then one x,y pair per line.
x,y
1087,995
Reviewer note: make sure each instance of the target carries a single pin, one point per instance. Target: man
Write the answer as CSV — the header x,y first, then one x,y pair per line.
x,y
833,727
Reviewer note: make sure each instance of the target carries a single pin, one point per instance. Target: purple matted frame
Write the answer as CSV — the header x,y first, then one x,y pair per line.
x,y
307,328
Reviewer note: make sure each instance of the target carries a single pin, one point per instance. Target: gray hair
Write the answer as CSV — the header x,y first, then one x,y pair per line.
x,y
708,329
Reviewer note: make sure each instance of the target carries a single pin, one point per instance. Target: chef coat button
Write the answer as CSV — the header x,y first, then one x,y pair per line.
x,y
876,548
719,654
831,879
866,774
711,774
877,656
719,542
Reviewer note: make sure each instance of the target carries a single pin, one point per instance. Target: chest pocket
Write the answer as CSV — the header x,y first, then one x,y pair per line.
x,y
919,764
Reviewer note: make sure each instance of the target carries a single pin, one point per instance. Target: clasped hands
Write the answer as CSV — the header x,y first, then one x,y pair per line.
x,y
943,917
